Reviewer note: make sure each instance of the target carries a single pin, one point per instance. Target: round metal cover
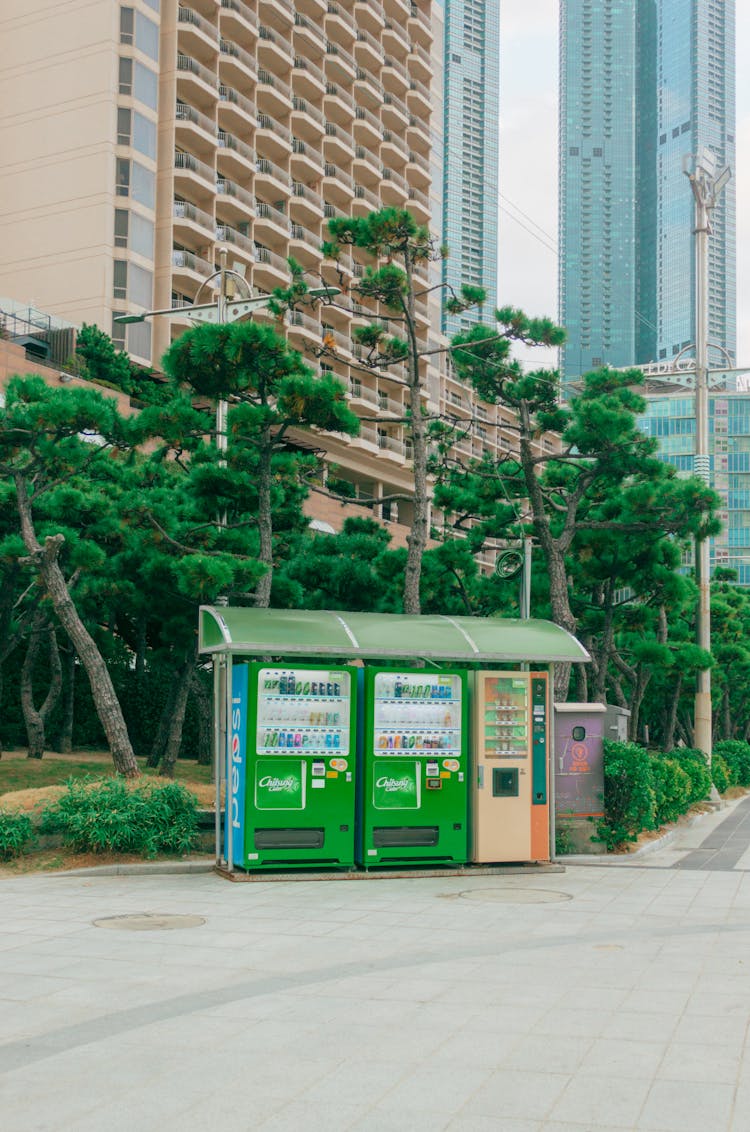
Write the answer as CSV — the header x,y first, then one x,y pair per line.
x,y
515,895
148,922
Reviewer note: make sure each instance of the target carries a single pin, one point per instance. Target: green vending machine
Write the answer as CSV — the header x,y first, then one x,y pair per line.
x,y
414,768
294,768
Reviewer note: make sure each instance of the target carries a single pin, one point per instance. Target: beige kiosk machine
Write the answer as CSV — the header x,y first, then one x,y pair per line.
x,y
511,781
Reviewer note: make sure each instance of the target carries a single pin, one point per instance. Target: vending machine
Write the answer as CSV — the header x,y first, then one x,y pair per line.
x,y
510,787
293,753
414,774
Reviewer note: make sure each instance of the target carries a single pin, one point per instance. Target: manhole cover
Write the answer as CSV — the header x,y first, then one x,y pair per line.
x,y
515,895
148,922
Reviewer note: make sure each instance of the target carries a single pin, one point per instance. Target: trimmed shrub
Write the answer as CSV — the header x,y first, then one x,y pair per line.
x,y
695,765
736,754
629,797
720,773
672,788
15,834
107,817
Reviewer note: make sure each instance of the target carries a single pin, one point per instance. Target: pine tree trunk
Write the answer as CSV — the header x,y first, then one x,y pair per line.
x,y
156,754
35,736
416,541
174,737
205,753
65,737
669,730
45,560
265,522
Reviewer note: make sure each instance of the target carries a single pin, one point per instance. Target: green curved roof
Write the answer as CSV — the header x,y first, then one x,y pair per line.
x,y
383,636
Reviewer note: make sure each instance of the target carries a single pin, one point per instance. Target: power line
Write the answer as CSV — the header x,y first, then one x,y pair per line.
x,y
544,242
530,219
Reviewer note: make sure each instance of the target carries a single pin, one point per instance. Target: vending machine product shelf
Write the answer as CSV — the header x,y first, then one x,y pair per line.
x,y
414,779
294,774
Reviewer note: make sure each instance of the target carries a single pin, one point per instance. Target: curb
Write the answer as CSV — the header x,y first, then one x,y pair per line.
x,y
134,868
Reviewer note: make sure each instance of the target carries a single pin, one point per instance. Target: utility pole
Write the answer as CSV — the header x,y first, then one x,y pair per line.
x,y
706,186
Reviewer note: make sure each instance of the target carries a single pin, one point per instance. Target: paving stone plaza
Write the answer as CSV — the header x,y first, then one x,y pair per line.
x,y
605,996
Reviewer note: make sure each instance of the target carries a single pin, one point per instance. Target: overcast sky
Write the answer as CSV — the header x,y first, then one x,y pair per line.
x,y
528,161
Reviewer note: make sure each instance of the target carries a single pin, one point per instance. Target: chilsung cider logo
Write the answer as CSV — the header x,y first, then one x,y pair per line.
x,y
273,785
394,785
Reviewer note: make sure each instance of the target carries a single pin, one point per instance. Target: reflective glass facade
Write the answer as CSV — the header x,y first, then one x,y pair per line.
x,y
642,85
670,417
470,178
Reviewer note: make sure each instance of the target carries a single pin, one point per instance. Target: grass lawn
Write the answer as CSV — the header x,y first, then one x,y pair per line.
x,y
20,773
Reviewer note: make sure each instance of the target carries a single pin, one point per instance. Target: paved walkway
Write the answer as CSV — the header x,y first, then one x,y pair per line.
x,y
597,999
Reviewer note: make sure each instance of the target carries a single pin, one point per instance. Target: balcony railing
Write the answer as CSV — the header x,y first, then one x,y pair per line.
x,y
268,211
191,261
191,164
228,94
188,65
184,210
241,10
185,113
265,122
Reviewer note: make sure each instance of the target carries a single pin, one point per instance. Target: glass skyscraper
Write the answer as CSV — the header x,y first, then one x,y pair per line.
x,y
643,84
470,177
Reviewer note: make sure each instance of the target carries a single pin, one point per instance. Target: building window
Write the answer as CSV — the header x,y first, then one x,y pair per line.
x,y
144,185
118,330
126,76
127,23
120,279
146,86
147,37
144,136
121,227
124,125
122,177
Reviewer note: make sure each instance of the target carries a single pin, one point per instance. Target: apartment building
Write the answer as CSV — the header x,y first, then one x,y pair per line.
x,y
140,138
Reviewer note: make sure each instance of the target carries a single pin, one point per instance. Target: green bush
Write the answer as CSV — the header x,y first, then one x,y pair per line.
x,y
736,754
15,834
107,817
629,796
672,788
695,765
720,773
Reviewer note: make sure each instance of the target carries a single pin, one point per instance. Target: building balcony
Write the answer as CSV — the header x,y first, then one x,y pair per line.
x,y
394,77
235,112
234,205
307,121
273,96
192,176
397,10
309,35
369,14
338,188
304,246
420,65
306,162
188,268
194,130
234,158
196,84
190,224
237,66
303,330
272,140
238,21
395,113
271,224
368,91
271,181
270,269
366,128
306,206
339,64
418,26
366,169
393,151
418,100
274,51
196,35
315,9
368,51
339,25
276,14
338,145
365,200
418,170
235,241
418,134
338,106
418,203
308,80
395,40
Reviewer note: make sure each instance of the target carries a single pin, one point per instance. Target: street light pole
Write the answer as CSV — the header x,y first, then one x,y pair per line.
x,y
706,187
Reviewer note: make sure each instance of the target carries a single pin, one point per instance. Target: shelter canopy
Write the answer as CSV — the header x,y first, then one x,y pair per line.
x,y
384,636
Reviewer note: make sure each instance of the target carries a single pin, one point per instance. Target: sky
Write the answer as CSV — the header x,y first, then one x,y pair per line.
x,y
528,165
